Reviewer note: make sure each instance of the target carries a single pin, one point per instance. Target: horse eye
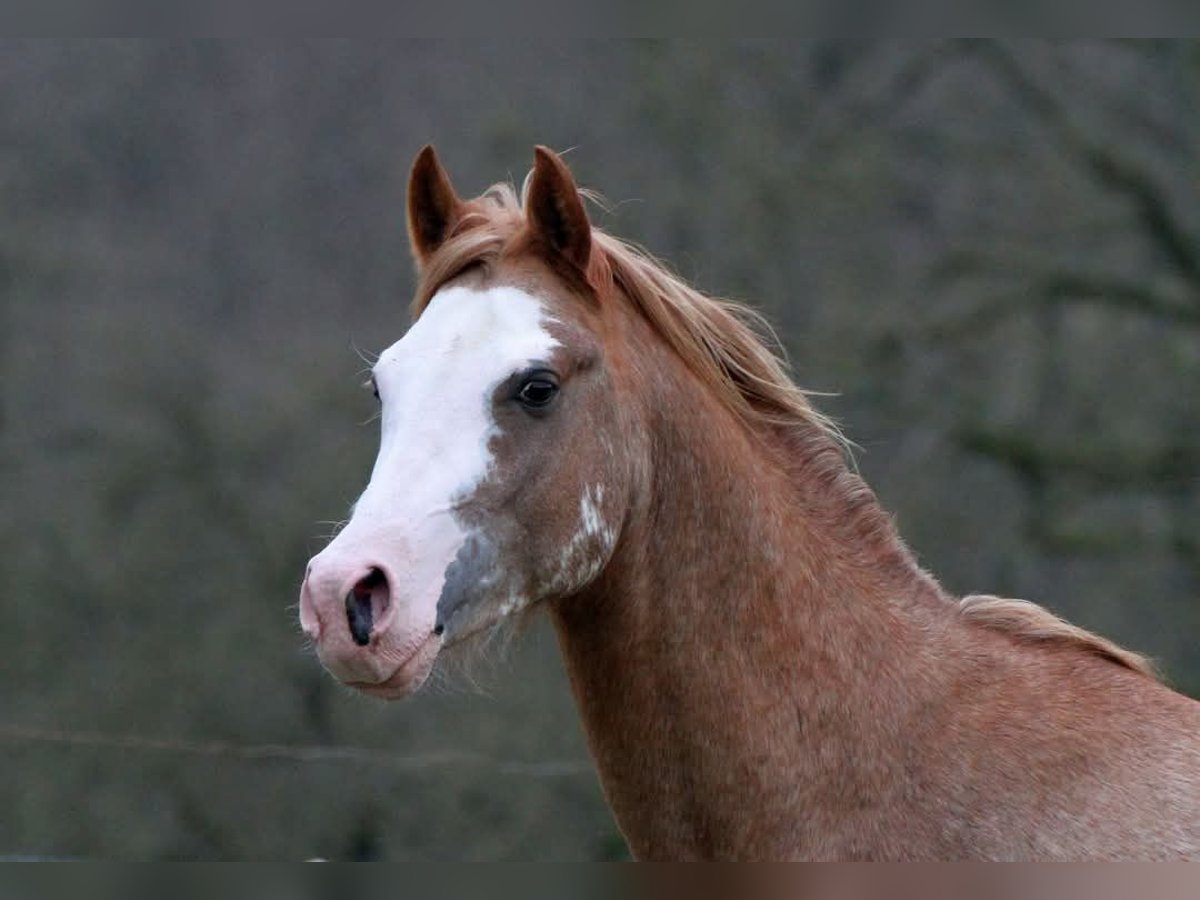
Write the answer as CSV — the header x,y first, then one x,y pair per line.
x,y
537,392
370,382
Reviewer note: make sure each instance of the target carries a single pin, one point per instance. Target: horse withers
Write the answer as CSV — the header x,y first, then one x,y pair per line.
x,y
763,670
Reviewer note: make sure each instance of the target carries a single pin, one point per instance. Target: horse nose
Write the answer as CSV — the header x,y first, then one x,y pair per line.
x,y
344,604
365,603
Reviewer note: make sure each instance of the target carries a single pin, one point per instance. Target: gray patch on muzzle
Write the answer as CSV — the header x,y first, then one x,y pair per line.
x,y
468,579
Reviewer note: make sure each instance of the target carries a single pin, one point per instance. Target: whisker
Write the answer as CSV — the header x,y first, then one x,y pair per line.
x,y
334,528
365,355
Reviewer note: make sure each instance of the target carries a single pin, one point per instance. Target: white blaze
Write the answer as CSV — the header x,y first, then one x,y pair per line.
x,y
436,386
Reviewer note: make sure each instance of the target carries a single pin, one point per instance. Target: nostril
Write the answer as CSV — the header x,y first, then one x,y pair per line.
x,y
365,604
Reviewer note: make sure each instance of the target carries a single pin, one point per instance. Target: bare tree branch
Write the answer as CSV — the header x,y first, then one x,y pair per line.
x,y
1186,545
1161,467
918,70
1068,287
1049,285
1108,167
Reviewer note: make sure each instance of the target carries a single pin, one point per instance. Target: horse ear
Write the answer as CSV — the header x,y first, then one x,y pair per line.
x,y
433,206
555,209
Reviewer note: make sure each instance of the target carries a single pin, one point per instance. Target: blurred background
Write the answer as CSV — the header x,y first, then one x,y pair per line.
x,y
989,253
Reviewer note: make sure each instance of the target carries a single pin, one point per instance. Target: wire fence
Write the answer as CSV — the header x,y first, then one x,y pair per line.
x,y
292,753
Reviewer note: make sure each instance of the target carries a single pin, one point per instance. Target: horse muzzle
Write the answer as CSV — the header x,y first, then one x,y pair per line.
x,y
366,634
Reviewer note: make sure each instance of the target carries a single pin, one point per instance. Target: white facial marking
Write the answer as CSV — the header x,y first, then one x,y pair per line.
x,y
589,513
589,548
436,386
513,602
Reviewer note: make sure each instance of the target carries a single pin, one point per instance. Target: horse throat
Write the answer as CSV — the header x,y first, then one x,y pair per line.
x,y
758,629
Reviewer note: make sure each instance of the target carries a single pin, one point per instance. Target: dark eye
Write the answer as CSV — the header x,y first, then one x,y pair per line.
x,y
537,391
373,386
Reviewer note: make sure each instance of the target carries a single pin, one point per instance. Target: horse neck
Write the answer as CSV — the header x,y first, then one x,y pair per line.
x,y
759,624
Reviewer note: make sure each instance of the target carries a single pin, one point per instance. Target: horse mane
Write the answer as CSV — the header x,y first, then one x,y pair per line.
x,y
1032,624
734,350
728,345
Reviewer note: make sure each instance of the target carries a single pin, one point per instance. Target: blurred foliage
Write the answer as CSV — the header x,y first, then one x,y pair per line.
x,y
989,250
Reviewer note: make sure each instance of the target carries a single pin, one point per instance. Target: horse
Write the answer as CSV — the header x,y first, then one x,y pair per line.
x,y
763,670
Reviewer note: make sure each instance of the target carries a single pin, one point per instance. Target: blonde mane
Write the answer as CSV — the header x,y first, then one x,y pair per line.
x,y
1029,623
730,347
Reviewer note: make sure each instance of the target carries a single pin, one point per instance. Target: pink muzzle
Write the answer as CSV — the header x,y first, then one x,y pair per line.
x,y
365,635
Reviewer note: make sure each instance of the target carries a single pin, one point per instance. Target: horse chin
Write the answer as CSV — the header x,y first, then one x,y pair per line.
x,y
408,677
